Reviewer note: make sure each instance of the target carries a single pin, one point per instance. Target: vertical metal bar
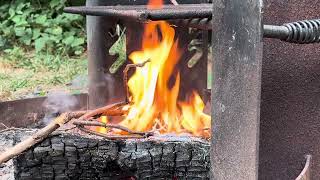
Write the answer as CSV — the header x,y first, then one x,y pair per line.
x,y
237,54
102,84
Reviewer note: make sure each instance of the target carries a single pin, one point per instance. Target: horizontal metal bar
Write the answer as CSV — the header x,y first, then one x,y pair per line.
x,y
185,11
279,32
269,31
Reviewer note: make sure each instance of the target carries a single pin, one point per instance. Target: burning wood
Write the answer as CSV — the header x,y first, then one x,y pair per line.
x,y
152,107
39,136
77,157
135,134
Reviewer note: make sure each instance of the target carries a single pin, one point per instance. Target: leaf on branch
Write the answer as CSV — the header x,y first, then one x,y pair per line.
x,y
119,49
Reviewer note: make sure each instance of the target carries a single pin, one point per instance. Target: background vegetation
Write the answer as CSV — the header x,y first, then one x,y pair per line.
x,y
40,46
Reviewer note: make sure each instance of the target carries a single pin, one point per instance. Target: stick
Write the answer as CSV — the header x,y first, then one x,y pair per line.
x,y
114,126
39,136
110,110
125,76
111,137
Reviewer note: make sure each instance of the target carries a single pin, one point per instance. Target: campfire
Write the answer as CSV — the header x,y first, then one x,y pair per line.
x,y
157,131
152,104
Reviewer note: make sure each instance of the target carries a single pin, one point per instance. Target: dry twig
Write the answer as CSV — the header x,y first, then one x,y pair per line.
x,y
125,76
13,129
111,137
114,126
39,136
109,110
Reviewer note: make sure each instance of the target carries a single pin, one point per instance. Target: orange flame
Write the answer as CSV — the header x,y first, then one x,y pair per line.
x,y
154,104
155,4
103,119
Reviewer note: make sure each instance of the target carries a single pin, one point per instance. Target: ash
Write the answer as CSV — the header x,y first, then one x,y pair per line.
x,y
7,140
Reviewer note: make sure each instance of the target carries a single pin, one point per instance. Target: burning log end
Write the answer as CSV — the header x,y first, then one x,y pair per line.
x,y
39,136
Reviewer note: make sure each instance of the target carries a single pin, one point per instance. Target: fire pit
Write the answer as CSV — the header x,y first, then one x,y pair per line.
x,y
157,123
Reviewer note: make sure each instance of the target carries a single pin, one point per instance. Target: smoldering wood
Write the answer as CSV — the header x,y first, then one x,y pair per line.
x,y
71,156
39,136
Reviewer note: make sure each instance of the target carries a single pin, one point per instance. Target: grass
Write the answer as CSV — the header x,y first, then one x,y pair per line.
x,y
23,74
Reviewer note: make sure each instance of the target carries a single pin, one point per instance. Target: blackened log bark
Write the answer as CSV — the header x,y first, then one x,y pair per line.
x,y
237,59
69,156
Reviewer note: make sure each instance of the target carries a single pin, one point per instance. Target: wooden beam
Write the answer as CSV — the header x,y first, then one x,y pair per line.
x,y
237,59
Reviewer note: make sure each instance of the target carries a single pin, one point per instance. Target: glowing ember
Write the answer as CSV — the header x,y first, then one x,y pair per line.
x,y
154,104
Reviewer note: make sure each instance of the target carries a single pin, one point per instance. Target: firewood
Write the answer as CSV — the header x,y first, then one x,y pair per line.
x,y
80,124
78,156
39,136
109,110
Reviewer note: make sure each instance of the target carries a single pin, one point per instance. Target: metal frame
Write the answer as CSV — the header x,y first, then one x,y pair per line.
x,y
237,59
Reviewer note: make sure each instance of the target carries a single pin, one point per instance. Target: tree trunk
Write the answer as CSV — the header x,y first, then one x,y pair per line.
x,y
67,156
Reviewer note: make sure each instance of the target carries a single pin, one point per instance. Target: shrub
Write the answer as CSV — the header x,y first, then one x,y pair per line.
x,y
41,25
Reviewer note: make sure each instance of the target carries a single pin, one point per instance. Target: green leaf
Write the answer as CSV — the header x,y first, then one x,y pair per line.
x,y
11,12
19,31
40,44
35,33
77,42
41,19
16,19
54,3
119,47
2,41
20,6
57,30
68,41
26,40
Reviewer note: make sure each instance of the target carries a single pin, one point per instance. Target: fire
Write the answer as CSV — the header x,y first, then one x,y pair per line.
x,y
155,4
103,119
154,103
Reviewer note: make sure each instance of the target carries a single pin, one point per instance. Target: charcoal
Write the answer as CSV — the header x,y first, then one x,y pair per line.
x,y
70,156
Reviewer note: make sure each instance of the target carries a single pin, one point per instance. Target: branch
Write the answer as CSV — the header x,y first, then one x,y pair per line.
x,y
125,76
111,137
114,126
109,110
39,136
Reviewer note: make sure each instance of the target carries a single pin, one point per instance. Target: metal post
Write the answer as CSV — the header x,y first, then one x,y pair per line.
x,y
237,54
102,85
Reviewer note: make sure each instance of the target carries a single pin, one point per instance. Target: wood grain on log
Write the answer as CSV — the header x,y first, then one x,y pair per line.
x,y
67,156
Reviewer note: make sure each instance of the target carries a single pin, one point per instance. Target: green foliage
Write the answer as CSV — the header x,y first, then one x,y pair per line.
x,y
41,25
119,49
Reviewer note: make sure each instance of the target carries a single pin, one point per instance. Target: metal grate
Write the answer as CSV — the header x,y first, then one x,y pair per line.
x,y
141,13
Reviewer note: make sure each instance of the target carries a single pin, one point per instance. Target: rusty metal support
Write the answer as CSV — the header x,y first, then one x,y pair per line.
x,y
237,59
102,83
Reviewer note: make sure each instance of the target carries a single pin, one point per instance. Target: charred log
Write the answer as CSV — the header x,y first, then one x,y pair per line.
x,y
67,156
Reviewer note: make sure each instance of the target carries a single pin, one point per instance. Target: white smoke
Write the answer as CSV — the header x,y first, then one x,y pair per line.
x,y
58,102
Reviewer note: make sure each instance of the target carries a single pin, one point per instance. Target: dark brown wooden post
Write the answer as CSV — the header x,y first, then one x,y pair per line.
x,y
237,59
